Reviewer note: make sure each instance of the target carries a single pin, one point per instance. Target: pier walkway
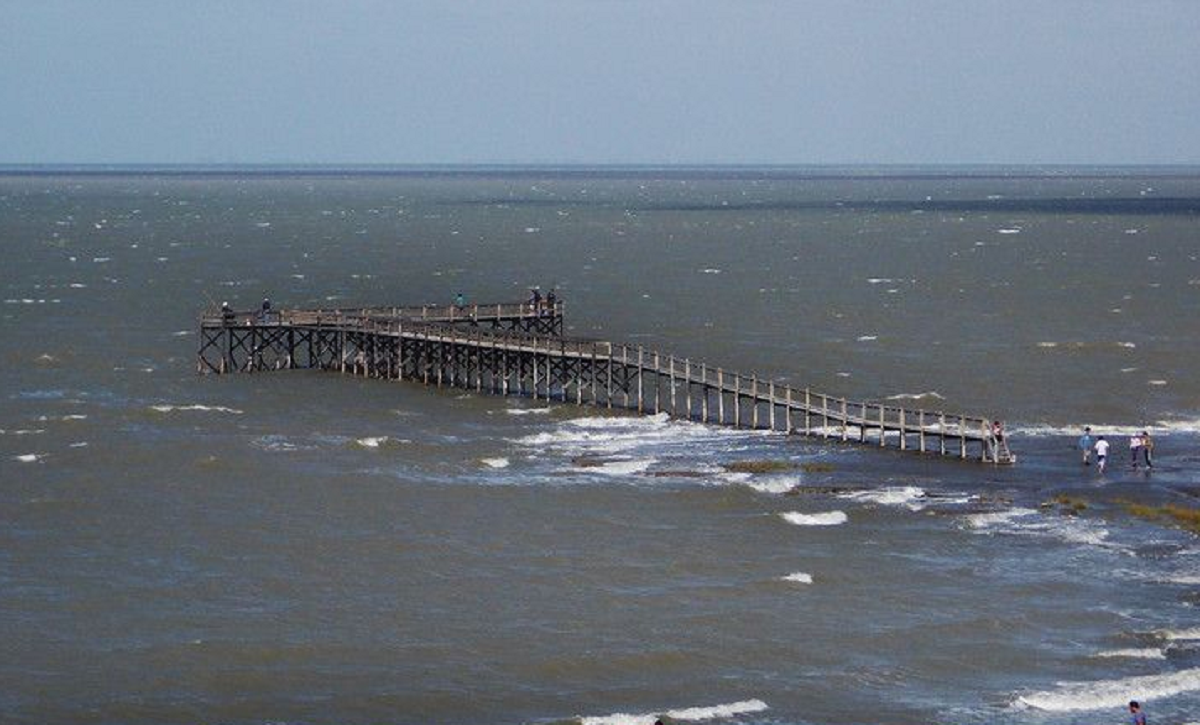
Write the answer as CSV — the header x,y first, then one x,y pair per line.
x,y
519,349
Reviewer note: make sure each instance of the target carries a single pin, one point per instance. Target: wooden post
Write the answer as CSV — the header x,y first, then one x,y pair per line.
x,y
921,429
720,396
608,381
903,432
671,368
942,432
825,416
687,388
535,371
788,414
737,401
845,418
754,402
962,437
657,383
882,427
625,370
807,412
704,392
595,392
641,402
771,402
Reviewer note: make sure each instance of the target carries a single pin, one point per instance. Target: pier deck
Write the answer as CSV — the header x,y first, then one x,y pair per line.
x,y
519,349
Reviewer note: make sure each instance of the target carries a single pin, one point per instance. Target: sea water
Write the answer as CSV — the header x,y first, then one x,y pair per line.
x,y
307,547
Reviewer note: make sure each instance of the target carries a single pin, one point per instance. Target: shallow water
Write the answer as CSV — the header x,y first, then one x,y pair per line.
x,y
305,547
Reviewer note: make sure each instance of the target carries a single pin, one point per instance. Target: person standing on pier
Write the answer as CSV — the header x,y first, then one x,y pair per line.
x,y
1085,445
535,298
1101,453
459,300
266,309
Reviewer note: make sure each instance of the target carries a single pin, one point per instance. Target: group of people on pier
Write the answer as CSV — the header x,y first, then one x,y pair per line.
x,y
1141,449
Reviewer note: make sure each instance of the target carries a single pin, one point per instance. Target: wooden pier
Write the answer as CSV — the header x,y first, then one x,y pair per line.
x,y
519,349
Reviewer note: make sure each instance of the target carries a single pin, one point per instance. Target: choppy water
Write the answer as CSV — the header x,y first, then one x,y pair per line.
x,y
311,548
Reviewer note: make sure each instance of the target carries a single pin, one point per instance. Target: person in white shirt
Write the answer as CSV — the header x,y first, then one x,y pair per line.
x,y
1101,453
1135,449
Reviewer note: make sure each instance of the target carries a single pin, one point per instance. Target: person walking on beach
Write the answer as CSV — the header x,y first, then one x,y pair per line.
x,y
1148,449
1101,448
1135,449
1085,445
1136,716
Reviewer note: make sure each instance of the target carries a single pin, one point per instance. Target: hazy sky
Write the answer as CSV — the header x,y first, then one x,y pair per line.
x,y
740,81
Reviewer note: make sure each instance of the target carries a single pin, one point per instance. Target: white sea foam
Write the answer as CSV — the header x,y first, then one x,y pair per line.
x,y
829,518
867,338
911,497
495,462
1008,231
195,407
606,435
880,280
711,270
1029,522
372,442
1111,694
1156,382
775,484
1174,635
1142,653
623,468
689,714
935,395
528,411
28,457
1074,430
79,444
798,577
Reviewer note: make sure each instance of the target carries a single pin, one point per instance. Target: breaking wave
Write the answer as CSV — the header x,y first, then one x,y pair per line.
x,y
195,407
687,714
1111,694
829,518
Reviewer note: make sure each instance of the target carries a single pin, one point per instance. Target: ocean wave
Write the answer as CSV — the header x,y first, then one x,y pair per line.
x,y
1143,653
932,394
1074,430
689,714
528,411
1029,522
777,484
829,518
495,462
29,457
911,497
195,407
380,442
798,577
606,435
1174,635
624,468
1111,694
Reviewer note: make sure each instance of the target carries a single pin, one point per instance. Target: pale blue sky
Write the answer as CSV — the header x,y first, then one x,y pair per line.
x,y
742,81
